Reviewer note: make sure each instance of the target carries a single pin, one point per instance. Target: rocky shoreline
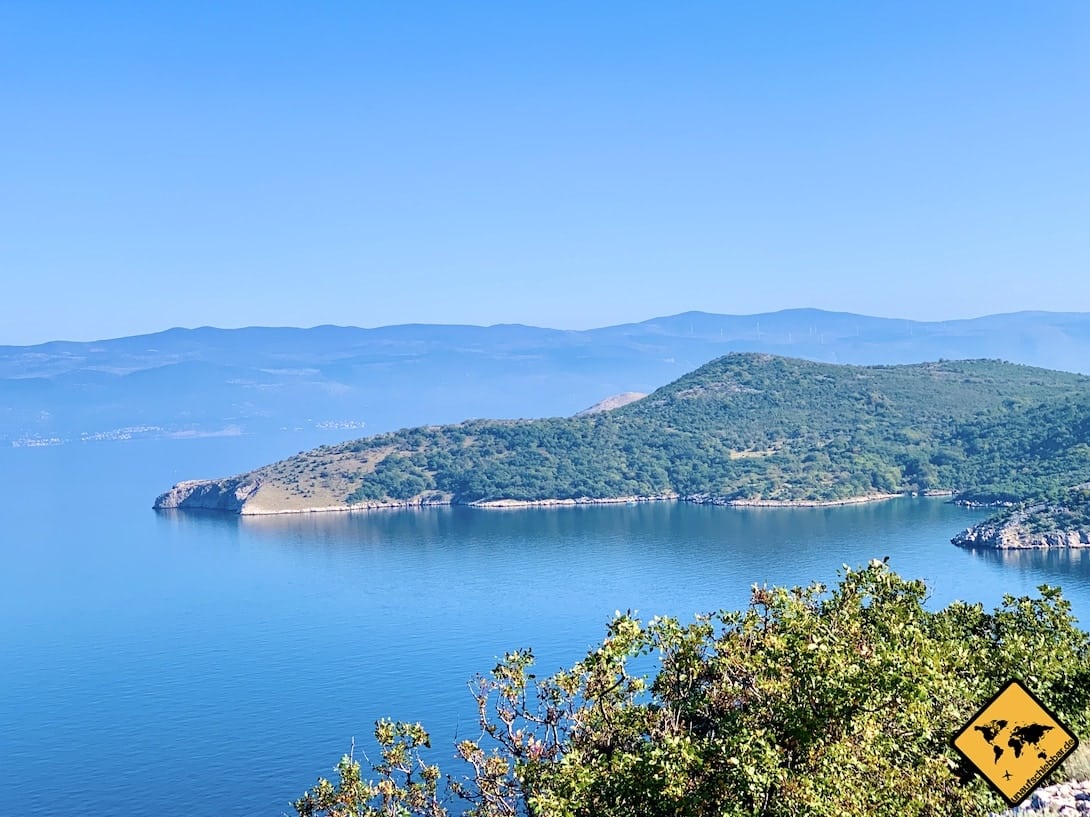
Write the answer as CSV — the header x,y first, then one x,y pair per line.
x,y
1069,799
244,496
228,495
237,495
1013,532
801,503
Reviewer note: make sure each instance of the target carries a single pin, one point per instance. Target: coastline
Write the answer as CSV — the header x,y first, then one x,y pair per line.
x,y
488,505
694,499
244,508
807,503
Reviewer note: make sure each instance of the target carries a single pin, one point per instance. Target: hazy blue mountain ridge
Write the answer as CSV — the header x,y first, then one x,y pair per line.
x,y
261,379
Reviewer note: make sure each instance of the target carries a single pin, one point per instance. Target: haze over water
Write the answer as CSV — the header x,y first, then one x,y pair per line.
x,y
223,664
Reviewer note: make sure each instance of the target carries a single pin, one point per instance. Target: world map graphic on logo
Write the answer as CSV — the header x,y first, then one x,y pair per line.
x,y
1018,737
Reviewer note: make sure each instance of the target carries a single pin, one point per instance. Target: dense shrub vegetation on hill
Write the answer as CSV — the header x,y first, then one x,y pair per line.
x,y
809,703
1061,511
755,427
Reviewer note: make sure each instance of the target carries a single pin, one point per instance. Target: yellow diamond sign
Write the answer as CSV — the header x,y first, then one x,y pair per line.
x,y
1014,742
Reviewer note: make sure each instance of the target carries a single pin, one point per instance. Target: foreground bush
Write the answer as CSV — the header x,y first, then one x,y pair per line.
x,y
809,702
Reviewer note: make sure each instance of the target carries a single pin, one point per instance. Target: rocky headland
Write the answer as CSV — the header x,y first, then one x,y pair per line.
x,y
228,495
247,496
1033,527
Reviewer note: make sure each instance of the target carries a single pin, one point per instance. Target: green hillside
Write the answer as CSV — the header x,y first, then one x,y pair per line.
x,y
743,427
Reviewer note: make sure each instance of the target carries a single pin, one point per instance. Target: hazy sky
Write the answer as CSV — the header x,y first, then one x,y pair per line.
x,y
559,164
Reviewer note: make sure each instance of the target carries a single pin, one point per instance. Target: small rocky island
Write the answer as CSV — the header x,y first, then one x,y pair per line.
x,y
1038,525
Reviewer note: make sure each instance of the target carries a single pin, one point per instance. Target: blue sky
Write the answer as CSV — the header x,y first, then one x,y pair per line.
x,y
559,164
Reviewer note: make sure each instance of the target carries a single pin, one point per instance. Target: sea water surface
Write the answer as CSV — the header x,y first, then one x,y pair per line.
x,y
201,664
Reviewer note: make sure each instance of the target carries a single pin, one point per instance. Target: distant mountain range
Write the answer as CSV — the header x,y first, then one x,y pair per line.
x,y
353,381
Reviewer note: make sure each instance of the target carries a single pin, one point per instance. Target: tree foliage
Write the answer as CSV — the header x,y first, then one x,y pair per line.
x,y
406,785
811,702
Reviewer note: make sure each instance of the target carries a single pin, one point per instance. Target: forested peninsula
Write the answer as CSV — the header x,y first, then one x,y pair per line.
x,y
742,429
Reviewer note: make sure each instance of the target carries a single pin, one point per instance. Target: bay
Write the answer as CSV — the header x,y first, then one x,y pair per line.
x,y
194,664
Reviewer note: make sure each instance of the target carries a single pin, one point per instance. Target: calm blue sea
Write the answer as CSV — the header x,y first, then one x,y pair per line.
x,y
209,665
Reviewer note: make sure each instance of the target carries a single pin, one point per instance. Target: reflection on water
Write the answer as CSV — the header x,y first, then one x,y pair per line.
x,y
1066,560
1068,568
651,520
663,557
